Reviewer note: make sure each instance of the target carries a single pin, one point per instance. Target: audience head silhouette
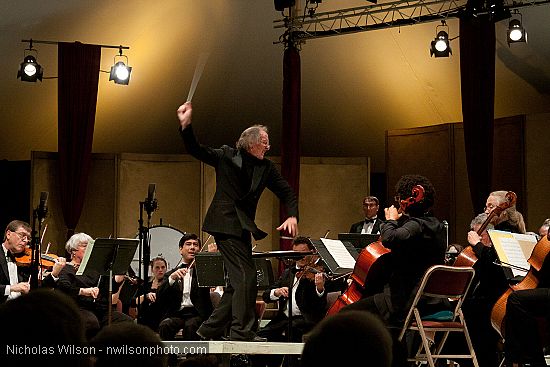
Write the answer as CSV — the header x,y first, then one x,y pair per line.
x,y
357,331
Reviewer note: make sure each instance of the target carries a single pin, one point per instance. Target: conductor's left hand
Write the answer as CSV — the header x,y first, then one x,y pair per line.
x,y
290,225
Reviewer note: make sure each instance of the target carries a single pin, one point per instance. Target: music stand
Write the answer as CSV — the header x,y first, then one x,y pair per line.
x,y
338,256
107,256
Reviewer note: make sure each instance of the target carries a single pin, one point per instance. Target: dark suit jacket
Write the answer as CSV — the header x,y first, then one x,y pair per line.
x,y
169,297
312,307
233,207
5,276
357,227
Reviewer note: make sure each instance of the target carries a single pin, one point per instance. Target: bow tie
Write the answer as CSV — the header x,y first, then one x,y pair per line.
x,y
370,220
182,266
10,256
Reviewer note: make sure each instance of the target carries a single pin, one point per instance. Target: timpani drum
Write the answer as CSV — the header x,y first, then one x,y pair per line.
x,y
163,241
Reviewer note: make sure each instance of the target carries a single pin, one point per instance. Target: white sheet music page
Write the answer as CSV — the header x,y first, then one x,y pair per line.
x,y
339,252
513,249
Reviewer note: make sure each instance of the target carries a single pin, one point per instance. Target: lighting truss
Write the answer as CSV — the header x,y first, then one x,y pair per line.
x,y
377,16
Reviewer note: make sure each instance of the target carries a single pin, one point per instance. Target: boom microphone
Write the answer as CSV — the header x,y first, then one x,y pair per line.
x,y
151,201
43,206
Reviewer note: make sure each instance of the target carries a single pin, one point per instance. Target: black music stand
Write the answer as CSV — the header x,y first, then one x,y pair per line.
x,y
330,258
210,269
108,256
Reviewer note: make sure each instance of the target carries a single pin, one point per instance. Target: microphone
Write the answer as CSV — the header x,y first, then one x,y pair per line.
x,y
43,207
151,201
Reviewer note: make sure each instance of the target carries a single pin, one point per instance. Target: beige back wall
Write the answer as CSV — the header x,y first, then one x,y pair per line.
x,y
331,192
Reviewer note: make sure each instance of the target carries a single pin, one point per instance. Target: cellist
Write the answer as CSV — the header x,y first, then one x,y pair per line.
x,y
524,307
417,240
490,282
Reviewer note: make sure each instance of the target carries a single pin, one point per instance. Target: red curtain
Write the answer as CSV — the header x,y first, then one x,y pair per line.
x,y
77,98
477,70
290,139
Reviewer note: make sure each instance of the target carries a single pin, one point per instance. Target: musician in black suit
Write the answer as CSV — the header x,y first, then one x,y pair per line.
x,y
184,304
371,223
309,301
12,283
242,174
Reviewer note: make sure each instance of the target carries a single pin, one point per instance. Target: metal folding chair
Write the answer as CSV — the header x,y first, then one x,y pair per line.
x,y
444,282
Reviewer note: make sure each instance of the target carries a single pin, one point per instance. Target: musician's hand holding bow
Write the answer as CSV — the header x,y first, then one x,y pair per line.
x,y
22,287
320,282
89,292
281,292
179,274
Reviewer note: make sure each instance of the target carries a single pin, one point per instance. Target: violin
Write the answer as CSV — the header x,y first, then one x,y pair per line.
x,y
467,257
372,267
47,261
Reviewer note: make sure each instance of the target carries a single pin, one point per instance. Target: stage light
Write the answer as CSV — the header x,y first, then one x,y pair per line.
x,y
30,70
120,71
516,32
440,46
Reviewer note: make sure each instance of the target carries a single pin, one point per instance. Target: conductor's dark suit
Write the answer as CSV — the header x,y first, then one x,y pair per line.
x,y
240,180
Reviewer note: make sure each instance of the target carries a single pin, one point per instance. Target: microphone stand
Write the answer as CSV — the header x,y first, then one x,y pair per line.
x,y
39,217
144,244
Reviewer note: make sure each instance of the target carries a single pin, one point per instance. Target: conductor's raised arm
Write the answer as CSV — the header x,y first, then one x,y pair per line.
x,y
185,111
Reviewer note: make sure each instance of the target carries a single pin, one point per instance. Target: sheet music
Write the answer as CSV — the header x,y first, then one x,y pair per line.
x,y
339,252
514,249
85,258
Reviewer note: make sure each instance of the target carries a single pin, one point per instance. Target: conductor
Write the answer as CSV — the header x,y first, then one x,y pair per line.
x,y
242,174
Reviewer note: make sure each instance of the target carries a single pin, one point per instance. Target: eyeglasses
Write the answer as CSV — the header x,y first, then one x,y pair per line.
x,y
23,236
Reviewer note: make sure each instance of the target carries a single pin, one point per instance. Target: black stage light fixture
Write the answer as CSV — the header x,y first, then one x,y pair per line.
x,y
441,45
30,70
516,32
120,71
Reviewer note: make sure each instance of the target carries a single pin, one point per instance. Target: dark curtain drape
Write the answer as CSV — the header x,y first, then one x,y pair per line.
x,y
77,98
290,139
477,70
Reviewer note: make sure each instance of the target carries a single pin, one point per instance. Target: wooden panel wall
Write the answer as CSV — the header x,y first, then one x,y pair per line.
x,y
331,192
438,153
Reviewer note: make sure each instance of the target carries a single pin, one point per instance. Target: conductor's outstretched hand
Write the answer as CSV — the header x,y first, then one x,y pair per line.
x,y
185,111
290,225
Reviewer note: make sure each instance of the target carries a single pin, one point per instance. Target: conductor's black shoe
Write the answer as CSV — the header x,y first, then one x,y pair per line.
x,y
258,339
203,337
255,339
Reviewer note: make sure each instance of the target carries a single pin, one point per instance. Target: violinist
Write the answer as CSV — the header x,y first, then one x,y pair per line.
x,y
305,283
90,291
184,305
12,282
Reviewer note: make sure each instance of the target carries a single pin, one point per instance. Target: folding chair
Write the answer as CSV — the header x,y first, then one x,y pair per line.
x,y
443,282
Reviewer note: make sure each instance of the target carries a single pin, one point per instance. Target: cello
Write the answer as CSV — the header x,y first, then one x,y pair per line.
x,y
530,281
372,268
467,257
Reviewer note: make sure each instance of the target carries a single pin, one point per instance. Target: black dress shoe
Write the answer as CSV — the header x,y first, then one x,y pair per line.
x,y
258,339
255,339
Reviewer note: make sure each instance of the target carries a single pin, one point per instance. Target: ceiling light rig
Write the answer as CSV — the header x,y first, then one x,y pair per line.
x,y
120,71
516,32
30,70
441,45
